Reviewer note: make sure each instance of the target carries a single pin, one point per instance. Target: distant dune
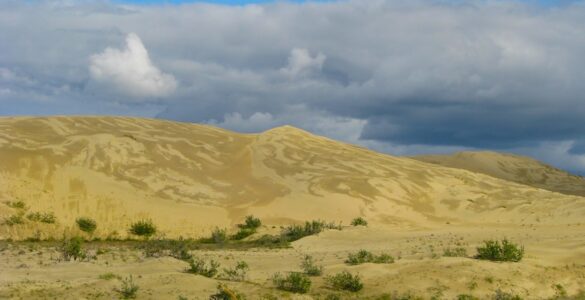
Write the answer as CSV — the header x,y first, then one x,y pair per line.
x,y
523,170
190,178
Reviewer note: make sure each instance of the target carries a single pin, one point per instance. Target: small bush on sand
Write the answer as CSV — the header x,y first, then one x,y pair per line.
x,y
16,204
364,256
87,225
243,233
296,232
504,251
501,295
14,220
237,273
225,293
48,218
251,223
201,267
143,228
219,236
359,222
455,252
466,297
294,282
309,267
129,289
345,281
109,276
73,249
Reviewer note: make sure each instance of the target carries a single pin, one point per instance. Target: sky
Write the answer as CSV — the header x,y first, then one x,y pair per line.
x,y
401,77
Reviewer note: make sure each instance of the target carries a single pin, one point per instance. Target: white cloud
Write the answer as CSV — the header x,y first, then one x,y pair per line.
x,y
300,62
130,71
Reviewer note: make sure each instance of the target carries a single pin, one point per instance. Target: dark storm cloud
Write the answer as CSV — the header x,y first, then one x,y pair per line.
x,y
398,76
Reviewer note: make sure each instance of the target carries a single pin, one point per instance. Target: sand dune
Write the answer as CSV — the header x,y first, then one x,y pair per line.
x,y
524,170
190,178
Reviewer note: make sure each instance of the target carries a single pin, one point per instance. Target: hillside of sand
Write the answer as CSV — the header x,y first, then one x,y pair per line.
x,y
190,178
519,169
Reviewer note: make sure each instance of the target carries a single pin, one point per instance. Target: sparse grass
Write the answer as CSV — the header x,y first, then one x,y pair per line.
x,y
225,293
14,220
466,297
501,295
87,225
500,251
237,273
359,221
73,249
129,289
364,256
309,267
243,233
201,267
345,281
455,252
16,204
144,228
48,217
251,222
109,276
296,232
294,282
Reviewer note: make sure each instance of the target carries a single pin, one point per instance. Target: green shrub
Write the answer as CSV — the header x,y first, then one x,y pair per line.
x,y
129,289
296,232
144,228
225,293
364,256
16,204
219,236
466,297
504,251
238,273
73,249
455,252
309,267
201,267
48,218
294,282
345,281
251,222
359,222
86,224
14,220
108,276
243,233
501,295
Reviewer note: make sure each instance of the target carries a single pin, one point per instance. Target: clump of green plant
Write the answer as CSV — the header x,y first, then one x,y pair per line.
x,y
87,225
219,236
237,273
359,221
73,249
16,204
309,267
296,232
144,228
345,281
225,293
129,289
501,295
201,267
455,252
48,218
500,251
251,222
109,276
14,220
294,282
364,256
466,297
560,291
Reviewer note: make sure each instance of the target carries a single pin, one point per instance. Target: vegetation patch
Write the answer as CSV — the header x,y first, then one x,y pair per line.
x,y
294,282
345,281
48,218
73,249
296,232
309,267
500,251
455,252
359,222
237,273
201,267
128,289
225,293
109,276
16,204
87,225
14,220
143,228
364,256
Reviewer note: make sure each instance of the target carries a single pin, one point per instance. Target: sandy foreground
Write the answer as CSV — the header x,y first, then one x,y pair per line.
x,y
554,262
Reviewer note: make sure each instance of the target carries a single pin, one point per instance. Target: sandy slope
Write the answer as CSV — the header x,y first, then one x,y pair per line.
x,y
514,168
190,178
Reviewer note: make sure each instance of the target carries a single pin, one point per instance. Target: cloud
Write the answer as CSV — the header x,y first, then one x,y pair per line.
x,y
300,62
130,71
